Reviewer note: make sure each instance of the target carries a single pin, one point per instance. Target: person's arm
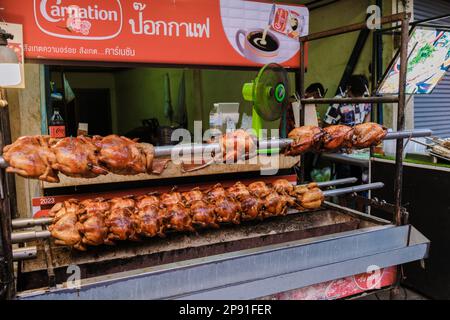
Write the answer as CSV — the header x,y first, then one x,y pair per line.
x,y
369,112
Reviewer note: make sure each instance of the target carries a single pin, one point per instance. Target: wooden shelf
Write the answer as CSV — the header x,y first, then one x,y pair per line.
x,y
174,171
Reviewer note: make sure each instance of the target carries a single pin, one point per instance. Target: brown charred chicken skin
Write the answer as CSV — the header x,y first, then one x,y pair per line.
x,y
31,157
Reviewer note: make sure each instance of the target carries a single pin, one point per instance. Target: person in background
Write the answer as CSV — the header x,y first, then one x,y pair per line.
x,y
350,115
315,90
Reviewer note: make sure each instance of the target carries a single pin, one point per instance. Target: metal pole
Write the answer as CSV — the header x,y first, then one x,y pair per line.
x,y
24,253
7,285
263,144
301,91
363,187
401,121
28,223
26,236
351,28
386,99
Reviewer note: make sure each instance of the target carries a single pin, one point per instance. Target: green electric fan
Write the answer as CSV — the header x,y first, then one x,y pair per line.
x,y
269,94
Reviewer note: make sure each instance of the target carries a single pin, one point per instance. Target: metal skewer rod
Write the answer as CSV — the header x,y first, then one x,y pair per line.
x,y
26,236
28,223
337,182
24,253
35,235
164,151
364,187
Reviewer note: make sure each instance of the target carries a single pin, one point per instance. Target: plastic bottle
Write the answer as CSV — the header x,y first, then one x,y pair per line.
x,y
215,122
57,126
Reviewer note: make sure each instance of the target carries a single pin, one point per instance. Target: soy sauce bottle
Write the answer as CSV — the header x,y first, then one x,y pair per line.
x,y
57,126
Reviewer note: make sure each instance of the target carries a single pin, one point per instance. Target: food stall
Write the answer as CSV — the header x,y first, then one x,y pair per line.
x,y
289,238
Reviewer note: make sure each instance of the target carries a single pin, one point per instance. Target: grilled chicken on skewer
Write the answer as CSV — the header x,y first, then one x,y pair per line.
x,y
77,157
96,221
148,200
171,198
121,225
216,192
251,207
179,218
92,225
124,156
203,214
227,210
237,145
259,189
194,195
337,137
306,138
238,191
65,224
149,222
31,157
368,134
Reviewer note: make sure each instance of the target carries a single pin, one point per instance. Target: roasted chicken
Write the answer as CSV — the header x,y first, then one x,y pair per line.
x,y
203,214
368,134
227,210
337,137
216,192
149,223
64,228
275,205
237,145
171,198
238,191
95,222
122,225
31,157
148,200
251,207
194,195
282,186
77,157
259,189
91,222
309,196
306,138
179,218
124,156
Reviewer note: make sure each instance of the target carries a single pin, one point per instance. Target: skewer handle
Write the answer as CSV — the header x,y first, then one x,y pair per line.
x,y
24,253
26,236
28,223
364,187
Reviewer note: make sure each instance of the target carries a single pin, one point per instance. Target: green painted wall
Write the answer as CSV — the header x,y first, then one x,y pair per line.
x,y
328,57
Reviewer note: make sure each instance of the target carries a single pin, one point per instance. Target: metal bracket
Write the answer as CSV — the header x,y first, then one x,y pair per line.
x,y
49,261
380,204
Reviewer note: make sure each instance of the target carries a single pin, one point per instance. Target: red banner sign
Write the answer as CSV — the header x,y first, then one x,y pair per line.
x,y
198,32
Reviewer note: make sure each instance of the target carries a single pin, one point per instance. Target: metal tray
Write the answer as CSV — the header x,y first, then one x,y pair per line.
x,y
256,269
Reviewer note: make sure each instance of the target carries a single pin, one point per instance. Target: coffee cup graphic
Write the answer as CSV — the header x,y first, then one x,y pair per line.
x,y
255,48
